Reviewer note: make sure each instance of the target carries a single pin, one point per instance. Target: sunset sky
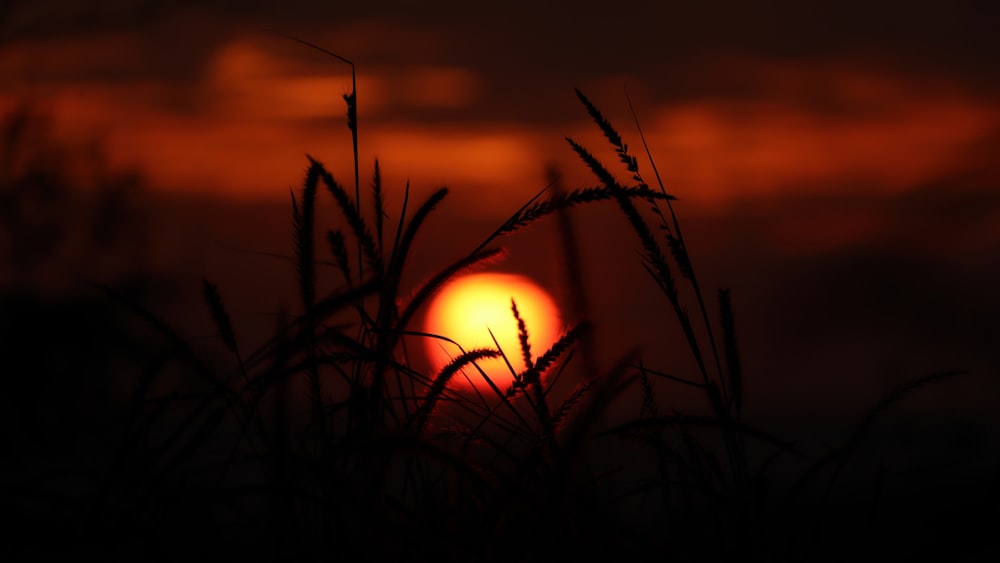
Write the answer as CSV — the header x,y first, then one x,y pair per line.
x,y
209,97
836,167
810,141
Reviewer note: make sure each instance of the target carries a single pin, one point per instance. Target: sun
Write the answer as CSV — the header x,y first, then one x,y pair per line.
x,y
468,308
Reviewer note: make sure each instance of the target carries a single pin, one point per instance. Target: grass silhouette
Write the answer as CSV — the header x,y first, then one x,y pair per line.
x,y
325,443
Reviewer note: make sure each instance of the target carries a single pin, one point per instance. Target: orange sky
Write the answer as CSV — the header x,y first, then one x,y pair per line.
x,y
803,132
239,118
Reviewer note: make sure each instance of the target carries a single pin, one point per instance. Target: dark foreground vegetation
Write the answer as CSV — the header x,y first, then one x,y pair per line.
x,y
125,440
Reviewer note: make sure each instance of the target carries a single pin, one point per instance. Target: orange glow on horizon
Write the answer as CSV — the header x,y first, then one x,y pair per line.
x,y
468,308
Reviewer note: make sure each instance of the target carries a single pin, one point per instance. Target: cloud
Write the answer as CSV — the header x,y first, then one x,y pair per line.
x,y
234,112
245,78
799,128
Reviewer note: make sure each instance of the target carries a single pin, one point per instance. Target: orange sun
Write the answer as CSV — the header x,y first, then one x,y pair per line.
x,y
471,306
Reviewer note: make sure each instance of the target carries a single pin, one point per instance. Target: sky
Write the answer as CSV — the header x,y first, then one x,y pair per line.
x,y
835,164
825,150
736,101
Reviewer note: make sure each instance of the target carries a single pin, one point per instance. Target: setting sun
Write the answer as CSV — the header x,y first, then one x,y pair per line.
x,y
470,307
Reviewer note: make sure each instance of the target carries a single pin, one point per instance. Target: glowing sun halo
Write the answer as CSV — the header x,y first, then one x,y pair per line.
x,y
468,308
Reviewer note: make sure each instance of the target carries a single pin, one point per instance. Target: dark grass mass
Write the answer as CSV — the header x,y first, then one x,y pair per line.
x,y
324,443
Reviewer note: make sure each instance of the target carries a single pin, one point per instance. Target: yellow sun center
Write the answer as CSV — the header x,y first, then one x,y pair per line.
x,y
469,308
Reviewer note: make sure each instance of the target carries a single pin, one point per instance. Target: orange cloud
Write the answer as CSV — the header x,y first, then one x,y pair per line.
x,y
437,87
803,128
718,150
242,130
245,79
